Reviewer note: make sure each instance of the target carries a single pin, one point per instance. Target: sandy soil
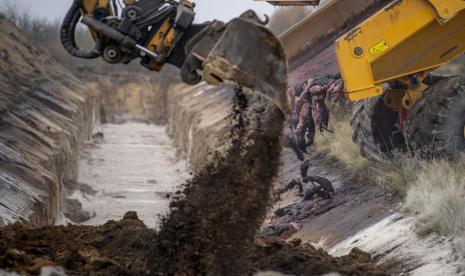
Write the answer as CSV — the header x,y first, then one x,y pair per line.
x,y
131,166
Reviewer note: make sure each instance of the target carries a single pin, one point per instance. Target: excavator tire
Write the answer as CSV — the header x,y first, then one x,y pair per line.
x,y
375,129
436,125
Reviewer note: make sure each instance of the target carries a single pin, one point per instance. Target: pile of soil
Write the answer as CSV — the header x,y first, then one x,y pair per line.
x,y
210,230
115,248
295,258
119,248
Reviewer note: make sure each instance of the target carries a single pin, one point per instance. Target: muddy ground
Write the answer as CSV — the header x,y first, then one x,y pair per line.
x,y
129,166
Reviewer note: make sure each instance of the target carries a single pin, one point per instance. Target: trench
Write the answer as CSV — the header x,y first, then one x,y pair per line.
x,y
107,144
130,163
130,166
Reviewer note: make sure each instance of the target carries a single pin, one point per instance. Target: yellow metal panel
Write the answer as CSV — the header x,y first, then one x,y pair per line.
x,y
447,9
400,40
157,41
90,5
161,41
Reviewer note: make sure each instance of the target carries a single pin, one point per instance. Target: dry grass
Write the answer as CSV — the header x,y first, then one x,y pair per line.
x,y
434,191
339,145
437,197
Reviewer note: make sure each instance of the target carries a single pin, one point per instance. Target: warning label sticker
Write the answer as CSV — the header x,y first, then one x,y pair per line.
x,y
379,48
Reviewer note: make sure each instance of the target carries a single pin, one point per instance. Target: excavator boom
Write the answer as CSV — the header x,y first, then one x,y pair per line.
x,y
405,40
158,32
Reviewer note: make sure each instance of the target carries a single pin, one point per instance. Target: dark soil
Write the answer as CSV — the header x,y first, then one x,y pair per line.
x,y
115,248
119,248
295,258
210,230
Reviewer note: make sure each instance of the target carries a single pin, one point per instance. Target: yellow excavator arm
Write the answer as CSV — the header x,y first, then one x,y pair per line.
x,y
404,41
160,32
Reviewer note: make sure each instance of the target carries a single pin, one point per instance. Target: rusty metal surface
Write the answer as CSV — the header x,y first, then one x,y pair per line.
x,y
249,54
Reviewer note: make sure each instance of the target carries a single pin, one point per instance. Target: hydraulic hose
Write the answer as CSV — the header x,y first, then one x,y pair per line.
x,y
67,34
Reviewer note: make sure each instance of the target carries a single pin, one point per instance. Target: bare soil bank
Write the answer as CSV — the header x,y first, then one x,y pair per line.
x,y
45,115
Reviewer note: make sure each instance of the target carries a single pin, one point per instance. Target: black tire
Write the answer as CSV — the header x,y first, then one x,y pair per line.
x,y
437,121
375,129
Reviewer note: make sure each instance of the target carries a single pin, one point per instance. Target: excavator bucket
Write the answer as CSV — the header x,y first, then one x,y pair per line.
x,y
251,55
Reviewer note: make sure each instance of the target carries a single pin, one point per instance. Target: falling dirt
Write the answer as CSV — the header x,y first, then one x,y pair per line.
x,y
213,226
210,230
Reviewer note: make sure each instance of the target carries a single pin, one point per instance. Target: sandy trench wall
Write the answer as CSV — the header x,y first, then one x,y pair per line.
x,y
45,115
198,118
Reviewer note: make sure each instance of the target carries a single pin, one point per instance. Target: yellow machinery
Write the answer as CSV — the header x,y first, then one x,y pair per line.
x,y
386,64
386,61
405,41
158,32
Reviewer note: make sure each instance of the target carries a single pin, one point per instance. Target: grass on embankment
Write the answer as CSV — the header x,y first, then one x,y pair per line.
x,y
433,191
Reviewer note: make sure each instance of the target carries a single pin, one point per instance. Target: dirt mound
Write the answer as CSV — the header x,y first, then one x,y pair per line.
x,y
115,248
303,259
119,248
